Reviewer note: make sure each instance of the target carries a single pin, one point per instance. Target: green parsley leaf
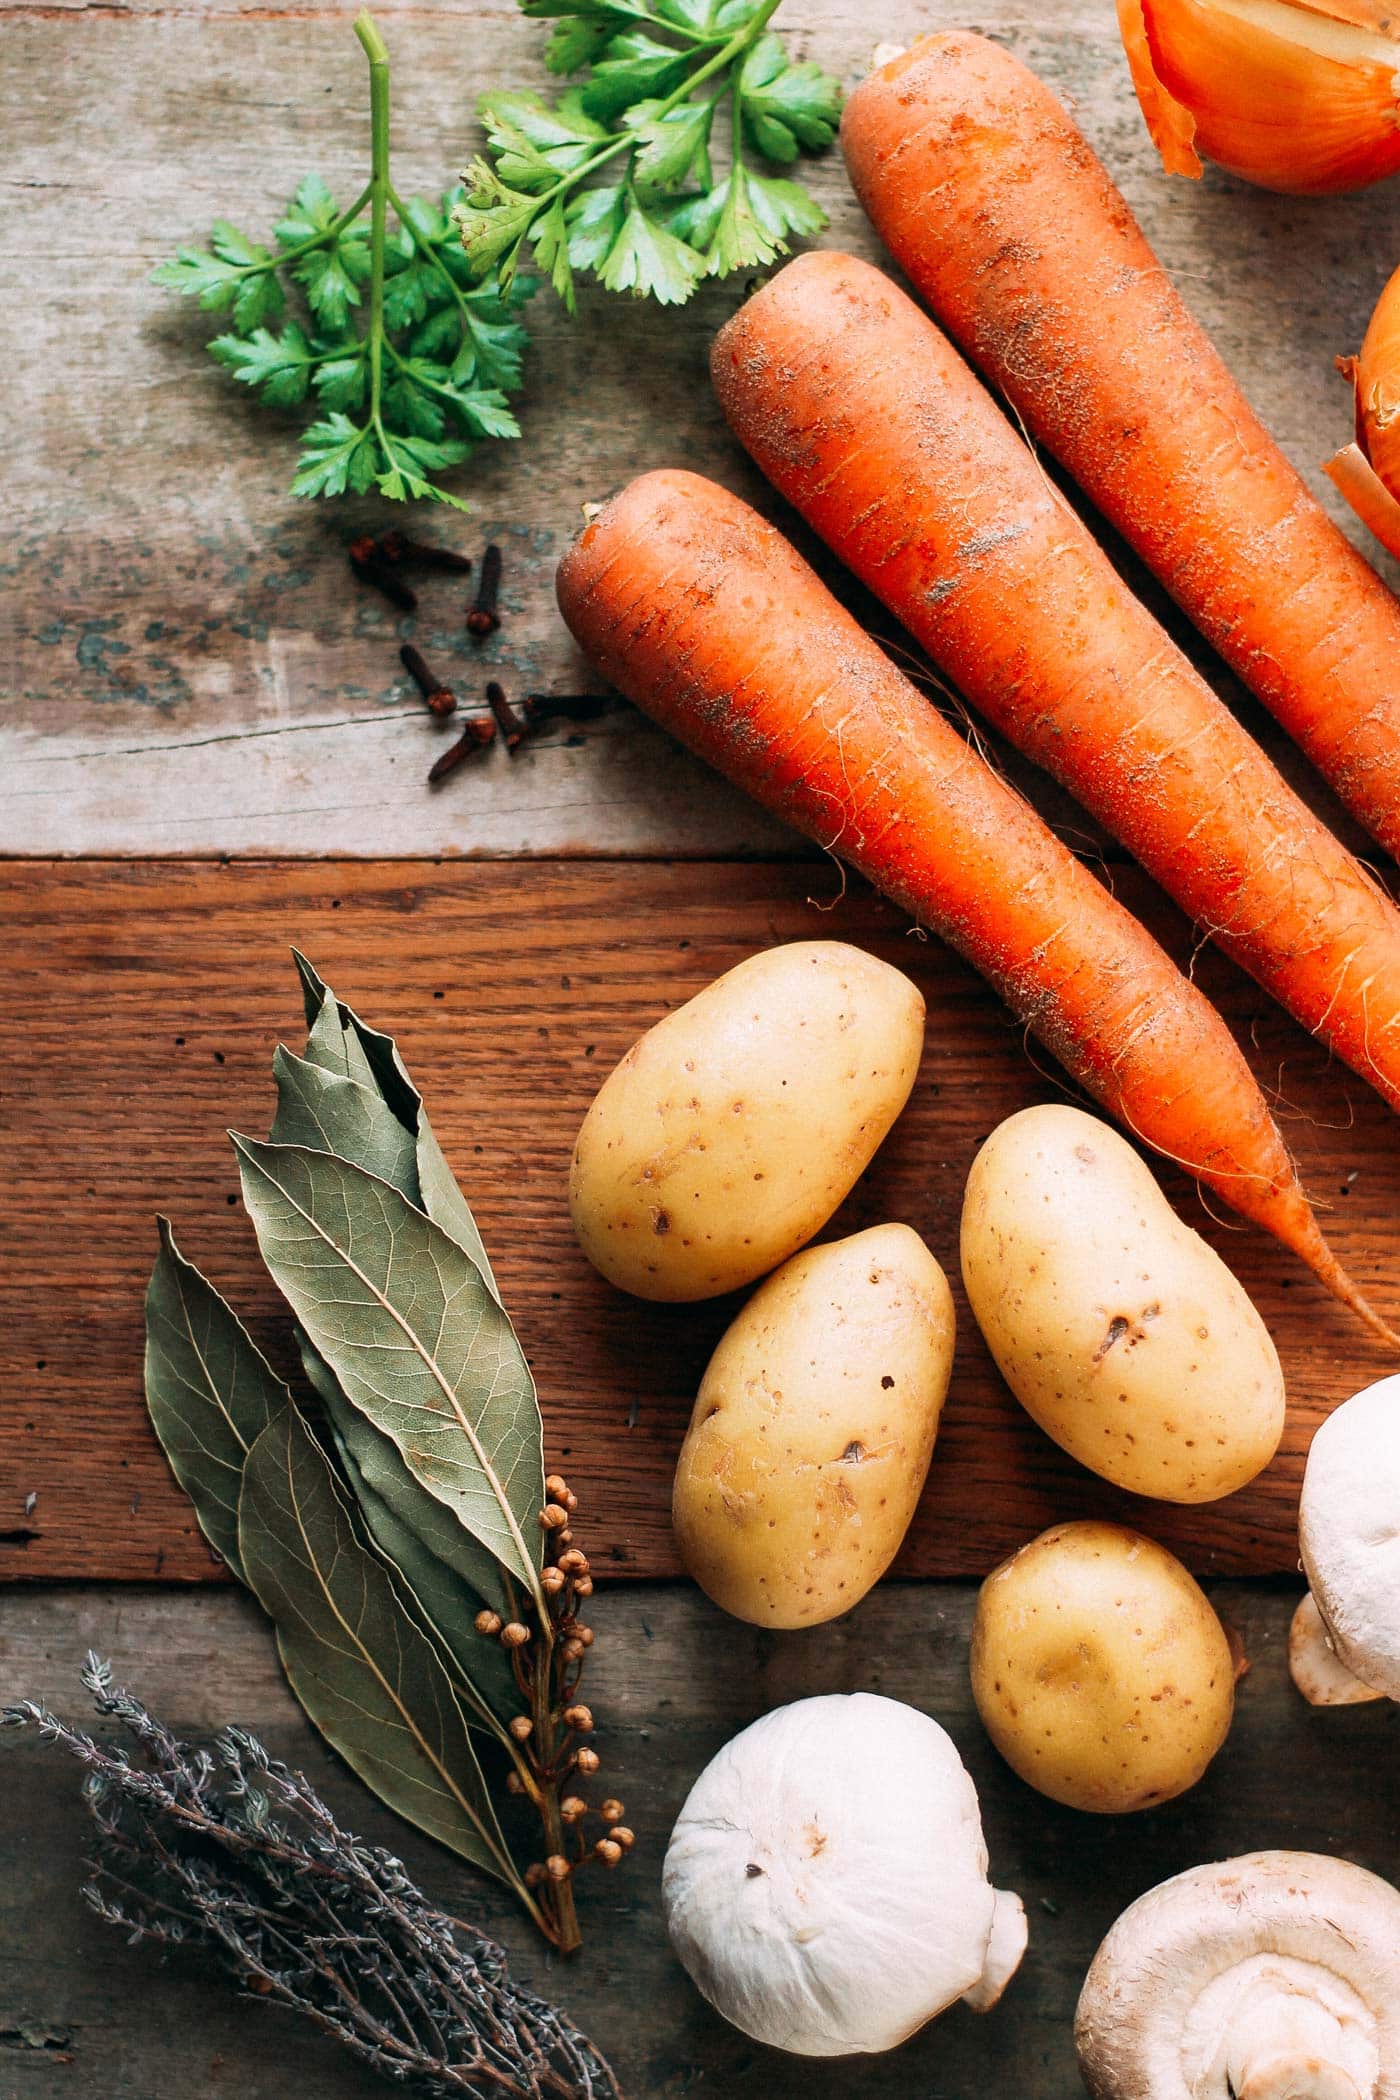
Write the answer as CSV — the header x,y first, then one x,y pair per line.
x,y
493,220
673,146
337,455
279,366
409,464
595,220
409,349
616,177
785,107
551,238
632,67
647,259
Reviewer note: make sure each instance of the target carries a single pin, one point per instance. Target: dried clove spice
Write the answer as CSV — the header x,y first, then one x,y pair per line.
x,y
484,619
477,732
370,567
440,698
224,1848
566,707
512,729
395,547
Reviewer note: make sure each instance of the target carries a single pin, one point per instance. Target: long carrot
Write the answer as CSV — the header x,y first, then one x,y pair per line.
x,y
993,204
701,613
865,417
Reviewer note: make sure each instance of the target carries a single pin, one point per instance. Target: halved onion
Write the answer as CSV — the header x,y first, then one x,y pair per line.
x,y
1295,95
1368,471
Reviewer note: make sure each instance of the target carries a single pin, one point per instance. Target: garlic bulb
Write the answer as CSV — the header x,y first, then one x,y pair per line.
x,y
1368,471
1295,95
826,1882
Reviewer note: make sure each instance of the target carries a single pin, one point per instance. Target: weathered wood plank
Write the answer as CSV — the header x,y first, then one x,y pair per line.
x,y
190,669
671,1681
143,1004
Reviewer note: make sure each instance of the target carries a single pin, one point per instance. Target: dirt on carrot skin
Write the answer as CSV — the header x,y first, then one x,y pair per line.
x,y
864,416
998,211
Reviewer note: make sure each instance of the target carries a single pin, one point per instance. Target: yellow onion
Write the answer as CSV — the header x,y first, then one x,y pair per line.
x,y
1368,471
1295,95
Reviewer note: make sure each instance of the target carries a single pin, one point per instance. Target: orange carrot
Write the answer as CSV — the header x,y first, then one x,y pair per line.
x,y
701,613
866,418
993,204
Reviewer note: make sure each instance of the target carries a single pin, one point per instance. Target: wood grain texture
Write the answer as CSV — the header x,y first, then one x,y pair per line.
x,y
144,1000
191,670
84,2017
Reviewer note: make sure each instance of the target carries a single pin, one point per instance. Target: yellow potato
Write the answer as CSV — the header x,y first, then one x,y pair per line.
x,y
1117,1328
1100,1670
814,1427
730,1133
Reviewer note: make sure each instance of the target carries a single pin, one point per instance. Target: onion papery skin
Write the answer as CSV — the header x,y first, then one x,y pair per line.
x,y
1269,107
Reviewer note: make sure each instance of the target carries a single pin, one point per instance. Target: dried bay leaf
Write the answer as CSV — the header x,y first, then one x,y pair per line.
x,y
372,1682
331,1113
449,1573
413,1335
437,1192
210,1391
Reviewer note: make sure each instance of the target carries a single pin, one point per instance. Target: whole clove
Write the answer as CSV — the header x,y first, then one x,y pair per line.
x,y
508,721
484,619
477,732
565,707
370,567
395,546
440,698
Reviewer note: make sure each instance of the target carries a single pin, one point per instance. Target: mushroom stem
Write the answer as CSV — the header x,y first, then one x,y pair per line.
x,y
1006,1943
1284,2045
1315,1666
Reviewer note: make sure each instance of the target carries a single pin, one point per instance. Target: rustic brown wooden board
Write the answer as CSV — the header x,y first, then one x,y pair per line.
x,y
142,1004
84,2017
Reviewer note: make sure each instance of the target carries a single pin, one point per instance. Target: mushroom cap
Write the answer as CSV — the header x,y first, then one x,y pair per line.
x,y
1196,1957
826,1882
1349,1532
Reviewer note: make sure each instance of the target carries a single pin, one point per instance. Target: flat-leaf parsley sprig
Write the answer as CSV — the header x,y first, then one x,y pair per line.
x,y
409,354
654,78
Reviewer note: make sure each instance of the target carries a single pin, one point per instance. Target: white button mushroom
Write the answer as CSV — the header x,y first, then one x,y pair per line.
x,y
1272,1977
826,1882
1345,1642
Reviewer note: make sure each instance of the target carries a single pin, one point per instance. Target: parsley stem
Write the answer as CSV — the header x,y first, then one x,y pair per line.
x,y
376,51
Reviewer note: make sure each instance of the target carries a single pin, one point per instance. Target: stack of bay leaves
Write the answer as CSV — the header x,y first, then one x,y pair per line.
x,y
394,1521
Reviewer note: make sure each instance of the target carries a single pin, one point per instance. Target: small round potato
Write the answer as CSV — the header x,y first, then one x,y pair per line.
x,y
730,1133
813,1429
1100,1670
1117,1328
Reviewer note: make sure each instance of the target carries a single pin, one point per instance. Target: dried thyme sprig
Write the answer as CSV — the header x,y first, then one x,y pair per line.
x,y
226,1849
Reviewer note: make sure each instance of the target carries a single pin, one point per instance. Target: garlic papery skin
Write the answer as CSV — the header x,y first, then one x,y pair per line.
x,y
1368,471
1271,1977
1294,95
826,1882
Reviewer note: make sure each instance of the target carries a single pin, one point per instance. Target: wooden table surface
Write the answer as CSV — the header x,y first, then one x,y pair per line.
x,y
208,749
